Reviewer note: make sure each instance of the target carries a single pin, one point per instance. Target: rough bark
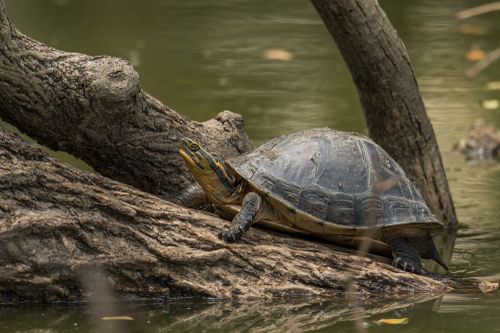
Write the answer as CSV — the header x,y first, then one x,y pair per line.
x,y
59,226
94,108
389,93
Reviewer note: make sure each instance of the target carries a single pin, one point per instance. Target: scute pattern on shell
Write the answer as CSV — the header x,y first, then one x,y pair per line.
x,y
338,177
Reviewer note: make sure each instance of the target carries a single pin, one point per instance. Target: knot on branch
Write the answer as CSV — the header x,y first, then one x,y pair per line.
x,y
7,29
233,119
115,87
234,125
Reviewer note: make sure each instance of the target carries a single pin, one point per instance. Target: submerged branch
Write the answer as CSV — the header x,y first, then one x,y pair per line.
x,y
478,67
483,9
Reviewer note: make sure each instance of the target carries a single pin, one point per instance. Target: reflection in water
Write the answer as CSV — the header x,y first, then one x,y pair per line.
x,y
288,315
202,57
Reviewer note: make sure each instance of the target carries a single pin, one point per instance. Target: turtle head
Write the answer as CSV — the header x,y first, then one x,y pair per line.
x,y
211,174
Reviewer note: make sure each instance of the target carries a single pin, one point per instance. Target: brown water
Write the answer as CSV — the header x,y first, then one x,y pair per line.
x,y
202,57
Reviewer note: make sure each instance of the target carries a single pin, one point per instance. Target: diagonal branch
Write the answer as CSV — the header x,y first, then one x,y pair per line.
x,y
478,67
94,108
479,10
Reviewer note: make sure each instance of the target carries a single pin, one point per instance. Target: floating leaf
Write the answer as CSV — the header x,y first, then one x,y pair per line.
x,y
472,29
494,85
117,318
490,104
475,55
278,54
394,321
487,286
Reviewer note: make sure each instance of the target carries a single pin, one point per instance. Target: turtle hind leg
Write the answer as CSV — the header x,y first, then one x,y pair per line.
x,y
404,255
248,215
427,249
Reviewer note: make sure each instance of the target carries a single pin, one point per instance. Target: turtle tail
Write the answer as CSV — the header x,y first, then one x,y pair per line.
x,y
437,258
427,250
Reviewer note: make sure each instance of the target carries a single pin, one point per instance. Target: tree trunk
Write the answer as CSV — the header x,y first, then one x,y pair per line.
x,y
389,93
62,228
95,109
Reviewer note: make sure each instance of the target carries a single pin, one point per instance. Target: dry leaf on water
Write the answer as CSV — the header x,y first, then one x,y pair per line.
x,y
393,321
473,30
278,54
475,55
493,85
117,318
490,104
487,286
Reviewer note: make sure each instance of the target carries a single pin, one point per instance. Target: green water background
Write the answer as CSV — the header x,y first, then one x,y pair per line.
x,y
202,57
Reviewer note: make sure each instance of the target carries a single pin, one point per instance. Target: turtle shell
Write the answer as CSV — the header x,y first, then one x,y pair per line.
x,y
331,182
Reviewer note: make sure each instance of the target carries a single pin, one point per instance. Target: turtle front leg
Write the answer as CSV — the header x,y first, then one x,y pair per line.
x,y
193,196
249,214
404,255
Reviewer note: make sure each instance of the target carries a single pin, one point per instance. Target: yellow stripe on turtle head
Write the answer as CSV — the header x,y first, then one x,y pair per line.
x,y
194,155
202,164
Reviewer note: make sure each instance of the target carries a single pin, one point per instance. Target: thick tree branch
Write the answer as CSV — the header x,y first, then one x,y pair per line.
x,y
94,108
59,223
389,93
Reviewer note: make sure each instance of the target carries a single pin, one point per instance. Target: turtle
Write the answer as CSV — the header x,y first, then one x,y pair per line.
x,y
338,186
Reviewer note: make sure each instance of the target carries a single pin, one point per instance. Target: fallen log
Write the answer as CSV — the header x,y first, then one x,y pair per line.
x,y
60,225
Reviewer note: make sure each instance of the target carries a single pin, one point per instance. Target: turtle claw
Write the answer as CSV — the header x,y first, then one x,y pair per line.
x,y
406,266
396,261
226,236
230,235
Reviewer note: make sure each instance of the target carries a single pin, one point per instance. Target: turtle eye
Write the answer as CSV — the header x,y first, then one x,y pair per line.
x,y
194,147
